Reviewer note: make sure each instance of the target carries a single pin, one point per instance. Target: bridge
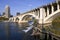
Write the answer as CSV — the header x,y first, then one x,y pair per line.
x,y
47,13
44,14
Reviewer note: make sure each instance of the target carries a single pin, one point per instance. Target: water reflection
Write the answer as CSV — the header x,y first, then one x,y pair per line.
x,y
11,31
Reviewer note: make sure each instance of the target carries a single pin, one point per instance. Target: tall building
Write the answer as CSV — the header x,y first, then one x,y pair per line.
x,y
7,11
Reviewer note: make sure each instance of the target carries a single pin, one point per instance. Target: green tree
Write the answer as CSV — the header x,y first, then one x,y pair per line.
x,y
35,23
3,18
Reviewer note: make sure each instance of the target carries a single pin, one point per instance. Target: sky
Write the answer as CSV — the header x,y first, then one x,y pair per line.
x,y
22,5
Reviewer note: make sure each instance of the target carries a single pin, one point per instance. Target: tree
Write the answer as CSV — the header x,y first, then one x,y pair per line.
x,y
35,23
3,19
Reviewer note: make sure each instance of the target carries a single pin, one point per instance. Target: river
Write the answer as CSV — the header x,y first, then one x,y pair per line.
x,y
11,31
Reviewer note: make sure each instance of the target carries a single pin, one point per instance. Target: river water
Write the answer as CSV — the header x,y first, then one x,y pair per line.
x,y
11,31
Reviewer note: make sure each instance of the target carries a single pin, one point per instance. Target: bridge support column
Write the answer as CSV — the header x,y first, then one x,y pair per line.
x,y
47,11
52,8
14,19
57,6
38,13
42,15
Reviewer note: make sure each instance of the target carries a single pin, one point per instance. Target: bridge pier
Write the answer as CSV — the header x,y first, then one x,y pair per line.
x,y
47,11
52,8
42,15
58,7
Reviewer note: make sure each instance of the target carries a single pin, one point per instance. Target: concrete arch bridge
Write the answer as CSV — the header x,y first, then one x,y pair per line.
x,y
45,14
22,18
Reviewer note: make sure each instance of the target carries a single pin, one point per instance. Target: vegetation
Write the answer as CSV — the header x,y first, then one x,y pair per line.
x,y
56,26
3,19
35,23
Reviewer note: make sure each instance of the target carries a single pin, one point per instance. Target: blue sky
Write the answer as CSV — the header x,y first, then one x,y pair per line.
x,y
22,5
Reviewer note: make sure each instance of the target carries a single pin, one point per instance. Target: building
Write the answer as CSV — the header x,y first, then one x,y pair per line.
x,y
7,11
18,13
3,14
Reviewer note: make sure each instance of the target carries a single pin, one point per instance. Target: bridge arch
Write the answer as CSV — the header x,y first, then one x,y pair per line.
x,y
52,16
13,19
10,19
27,17
17,19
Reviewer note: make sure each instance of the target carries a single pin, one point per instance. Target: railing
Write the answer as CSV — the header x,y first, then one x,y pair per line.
x,y
54,36
51,36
